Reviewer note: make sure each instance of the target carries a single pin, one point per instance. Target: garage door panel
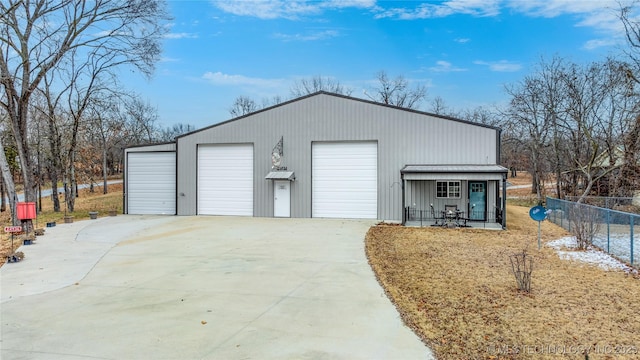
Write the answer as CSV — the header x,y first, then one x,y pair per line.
x,y
345,180
225,179
151,183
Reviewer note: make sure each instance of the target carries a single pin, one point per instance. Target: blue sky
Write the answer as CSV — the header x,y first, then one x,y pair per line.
x,y
464,51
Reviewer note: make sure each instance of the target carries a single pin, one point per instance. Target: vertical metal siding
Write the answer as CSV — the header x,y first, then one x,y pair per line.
x,y
403,137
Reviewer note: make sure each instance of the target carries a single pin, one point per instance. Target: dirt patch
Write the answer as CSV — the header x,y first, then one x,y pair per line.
x,y
456,290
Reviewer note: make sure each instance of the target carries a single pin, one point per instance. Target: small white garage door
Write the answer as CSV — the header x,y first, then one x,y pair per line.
x,y
225,179
345,180
151,183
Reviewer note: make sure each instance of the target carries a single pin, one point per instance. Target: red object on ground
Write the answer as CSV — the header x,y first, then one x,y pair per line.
x,y
26,210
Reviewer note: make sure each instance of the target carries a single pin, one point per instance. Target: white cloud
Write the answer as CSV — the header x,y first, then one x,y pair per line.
x,y
320,35
500,66
597,43
444,9
445,66
219,78
169,60
288,9
553,8
462,40
182,35
600,14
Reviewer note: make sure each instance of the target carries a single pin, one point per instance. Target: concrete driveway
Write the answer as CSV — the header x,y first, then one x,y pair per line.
x,y
169,287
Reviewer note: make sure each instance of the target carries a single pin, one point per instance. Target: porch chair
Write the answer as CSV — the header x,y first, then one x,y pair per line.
x,y
451,214
436,218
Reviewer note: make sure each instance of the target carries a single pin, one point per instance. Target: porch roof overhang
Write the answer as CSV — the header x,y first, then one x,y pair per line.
x,y
454,172
281,175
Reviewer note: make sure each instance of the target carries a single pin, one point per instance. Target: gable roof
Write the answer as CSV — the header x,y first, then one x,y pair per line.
x,y
326,93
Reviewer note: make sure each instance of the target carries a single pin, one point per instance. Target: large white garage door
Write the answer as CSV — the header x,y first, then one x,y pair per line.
x,y
151,183
345,180
225,179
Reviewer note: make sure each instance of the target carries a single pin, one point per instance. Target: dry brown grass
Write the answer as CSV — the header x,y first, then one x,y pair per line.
x,y
455,288
86,202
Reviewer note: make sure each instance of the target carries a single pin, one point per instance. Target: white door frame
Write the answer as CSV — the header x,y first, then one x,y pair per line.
x,y
281,198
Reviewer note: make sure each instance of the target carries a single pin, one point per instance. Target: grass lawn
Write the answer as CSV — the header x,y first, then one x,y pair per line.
x,y
456,290
85,202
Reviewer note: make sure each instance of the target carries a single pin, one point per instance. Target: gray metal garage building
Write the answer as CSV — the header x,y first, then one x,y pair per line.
x,y
335,156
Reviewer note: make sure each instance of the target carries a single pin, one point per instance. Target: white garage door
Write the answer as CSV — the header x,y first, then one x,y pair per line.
x,y
345,180
225,179
151,183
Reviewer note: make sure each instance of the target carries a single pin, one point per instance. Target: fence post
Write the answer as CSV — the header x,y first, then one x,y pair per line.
x,y
631,223
608,231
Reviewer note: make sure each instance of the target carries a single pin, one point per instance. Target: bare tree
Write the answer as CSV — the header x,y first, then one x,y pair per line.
x,y
439,107
312,85
82,96
585,224
274,100
629,19
38,36
52,113
527,111
572,117
397,92
106,127
630,171
7,178
141,118
170,133
243,105
594,106
481,115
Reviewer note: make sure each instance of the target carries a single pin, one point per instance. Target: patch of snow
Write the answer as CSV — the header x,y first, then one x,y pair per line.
x,y
615,239
567,242
591,256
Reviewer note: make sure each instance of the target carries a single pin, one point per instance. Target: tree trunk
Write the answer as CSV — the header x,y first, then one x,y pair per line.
x,y
630,171
54,161
71,199
22,143
587,189
3,192
8,181
53,175
104,169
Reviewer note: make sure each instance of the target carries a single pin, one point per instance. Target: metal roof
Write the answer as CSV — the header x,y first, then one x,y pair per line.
x,y
281,175
454,169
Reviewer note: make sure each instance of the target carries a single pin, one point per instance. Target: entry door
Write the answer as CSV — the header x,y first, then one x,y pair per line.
x,y
281,198
478,200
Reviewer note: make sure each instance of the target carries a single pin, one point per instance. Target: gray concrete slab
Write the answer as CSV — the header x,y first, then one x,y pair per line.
x,y
168,287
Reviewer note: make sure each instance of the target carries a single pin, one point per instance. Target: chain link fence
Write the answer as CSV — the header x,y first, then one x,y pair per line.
x,y
626,204
613,231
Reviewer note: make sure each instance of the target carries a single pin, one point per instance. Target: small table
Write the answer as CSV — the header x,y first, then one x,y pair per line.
x,y
452,218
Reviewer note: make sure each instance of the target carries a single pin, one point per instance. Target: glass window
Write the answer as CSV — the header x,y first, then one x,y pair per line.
x,y
448,189
441,189
454,189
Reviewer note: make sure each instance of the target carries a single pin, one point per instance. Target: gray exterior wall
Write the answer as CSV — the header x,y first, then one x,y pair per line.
x,y
403,137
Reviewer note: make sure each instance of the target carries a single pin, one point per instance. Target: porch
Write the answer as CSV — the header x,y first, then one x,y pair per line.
x,y
425,218
454,195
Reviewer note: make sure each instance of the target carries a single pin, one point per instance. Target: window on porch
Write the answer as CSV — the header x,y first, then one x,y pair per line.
x,y
448,189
